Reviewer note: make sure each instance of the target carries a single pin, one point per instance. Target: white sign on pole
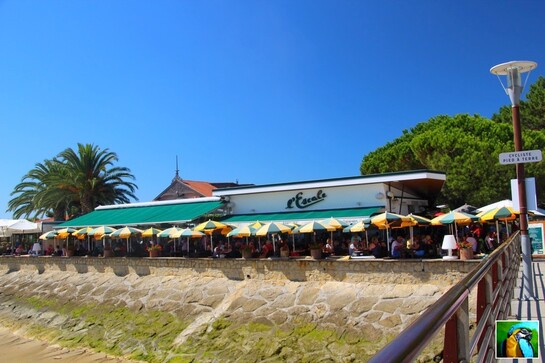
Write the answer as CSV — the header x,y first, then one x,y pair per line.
x,y
518,157
531,196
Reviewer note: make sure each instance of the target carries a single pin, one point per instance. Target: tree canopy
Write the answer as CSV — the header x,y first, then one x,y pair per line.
x,y
74,182
532,110
467,148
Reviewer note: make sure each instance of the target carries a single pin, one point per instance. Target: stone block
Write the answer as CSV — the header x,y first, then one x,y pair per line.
x,y
388,306
362,305
390,321
283,301
307,295
415,305
341,299
373,316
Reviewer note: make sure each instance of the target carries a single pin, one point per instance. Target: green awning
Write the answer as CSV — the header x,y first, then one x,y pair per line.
x,y
348,213
144,215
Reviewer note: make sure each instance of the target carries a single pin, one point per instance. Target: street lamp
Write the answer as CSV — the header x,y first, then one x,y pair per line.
x,y
513,73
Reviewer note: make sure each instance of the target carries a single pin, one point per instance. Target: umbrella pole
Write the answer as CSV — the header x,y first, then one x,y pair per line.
x,y
293,241
498,231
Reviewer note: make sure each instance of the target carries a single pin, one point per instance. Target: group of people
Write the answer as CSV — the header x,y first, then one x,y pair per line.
x,y
418,247
235,250
355,244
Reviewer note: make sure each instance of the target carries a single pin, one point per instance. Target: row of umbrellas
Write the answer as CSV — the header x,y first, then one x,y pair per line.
x,y
125,232
384,220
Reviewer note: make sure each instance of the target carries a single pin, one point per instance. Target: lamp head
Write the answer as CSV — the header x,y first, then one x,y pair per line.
x,y
449,242
513,73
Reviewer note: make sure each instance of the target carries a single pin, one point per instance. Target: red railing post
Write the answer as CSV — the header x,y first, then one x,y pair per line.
x,y
450,345
456,345
494,278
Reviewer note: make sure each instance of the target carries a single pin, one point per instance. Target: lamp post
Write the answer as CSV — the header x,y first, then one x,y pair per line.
x,y
513,72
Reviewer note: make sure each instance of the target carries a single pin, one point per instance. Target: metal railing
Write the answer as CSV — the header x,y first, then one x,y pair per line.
x,y
495,278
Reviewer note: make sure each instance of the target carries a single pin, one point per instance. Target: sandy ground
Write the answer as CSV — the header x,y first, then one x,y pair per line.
x,y
16,349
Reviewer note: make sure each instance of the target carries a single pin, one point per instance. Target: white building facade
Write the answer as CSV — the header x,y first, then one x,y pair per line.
x,y
349,199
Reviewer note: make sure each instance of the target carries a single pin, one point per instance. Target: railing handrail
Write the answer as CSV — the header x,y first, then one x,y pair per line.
x,y
412,340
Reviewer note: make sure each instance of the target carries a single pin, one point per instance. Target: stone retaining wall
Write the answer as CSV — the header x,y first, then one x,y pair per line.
x,y
435,272
285,310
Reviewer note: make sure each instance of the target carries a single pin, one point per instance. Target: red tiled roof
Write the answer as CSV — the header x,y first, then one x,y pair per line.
x,y
204,188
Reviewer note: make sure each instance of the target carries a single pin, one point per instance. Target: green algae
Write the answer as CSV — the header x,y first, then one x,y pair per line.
x,y
112,330
150,335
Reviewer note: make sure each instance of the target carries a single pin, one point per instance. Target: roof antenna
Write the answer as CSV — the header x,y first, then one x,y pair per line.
x,y
177,176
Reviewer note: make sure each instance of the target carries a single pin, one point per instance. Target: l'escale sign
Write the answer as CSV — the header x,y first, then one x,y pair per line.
x,y
304,202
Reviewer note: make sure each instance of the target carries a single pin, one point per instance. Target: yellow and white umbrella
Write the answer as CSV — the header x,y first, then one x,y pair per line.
x,y
455,219
313,227
387,220
169,232
126,232
65,232
498,214
209,227
272,227
243,231
101,231
48,235
82,232
187,233
334,222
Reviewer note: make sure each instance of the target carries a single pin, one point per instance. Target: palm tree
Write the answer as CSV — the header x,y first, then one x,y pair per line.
x,y
75,182
34,193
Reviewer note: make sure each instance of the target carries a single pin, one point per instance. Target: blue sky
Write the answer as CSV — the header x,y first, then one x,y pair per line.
x,y
255,91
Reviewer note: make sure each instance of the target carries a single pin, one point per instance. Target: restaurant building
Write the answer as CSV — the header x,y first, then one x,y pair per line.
x,y
349,199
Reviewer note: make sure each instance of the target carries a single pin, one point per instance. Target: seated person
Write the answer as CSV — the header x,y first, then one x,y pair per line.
x,y
429,247
58,252
218,250
19,250
419,248
354,247
397,247
471,239
267,250
36,249
327,250
50,251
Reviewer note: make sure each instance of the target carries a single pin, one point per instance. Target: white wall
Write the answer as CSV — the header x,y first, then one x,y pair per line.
x,y
354,196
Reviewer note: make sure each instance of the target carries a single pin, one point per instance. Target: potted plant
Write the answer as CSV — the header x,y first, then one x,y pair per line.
x,y
108,252
315,250
69,250
154,250
246,251
466,250
284,250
